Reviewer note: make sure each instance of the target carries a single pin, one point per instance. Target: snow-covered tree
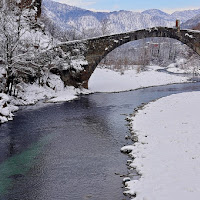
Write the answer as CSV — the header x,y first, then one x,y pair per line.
x,y
21,42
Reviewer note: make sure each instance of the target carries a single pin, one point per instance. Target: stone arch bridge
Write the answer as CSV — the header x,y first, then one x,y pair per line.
x,y
83,56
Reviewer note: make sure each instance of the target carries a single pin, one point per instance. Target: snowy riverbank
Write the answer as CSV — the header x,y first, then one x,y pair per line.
x,y
167,152
30,94
105,80
53,91
182,66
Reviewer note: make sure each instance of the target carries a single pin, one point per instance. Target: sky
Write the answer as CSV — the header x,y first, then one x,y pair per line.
x,y
134,5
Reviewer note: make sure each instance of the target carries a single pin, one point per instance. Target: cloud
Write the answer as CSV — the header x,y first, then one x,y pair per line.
x,y
79,3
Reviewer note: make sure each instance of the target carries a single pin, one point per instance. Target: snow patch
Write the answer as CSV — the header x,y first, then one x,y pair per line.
x,y
190,36
105,80
6,109
183,66
167,152
79,63
53,91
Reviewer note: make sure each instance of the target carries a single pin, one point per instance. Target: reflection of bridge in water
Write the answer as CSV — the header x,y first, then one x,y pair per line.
x,y
87,54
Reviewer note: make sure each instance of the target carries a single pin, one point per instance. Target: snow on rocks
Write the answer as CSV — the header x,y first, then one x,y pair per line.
x,y
6,109
105,80
78,63
53,91
190,36
167,152
126,179
127,149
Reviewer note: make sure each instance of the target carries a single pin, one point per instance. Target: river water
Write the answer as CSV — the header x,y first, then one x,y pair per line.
x,y
71,150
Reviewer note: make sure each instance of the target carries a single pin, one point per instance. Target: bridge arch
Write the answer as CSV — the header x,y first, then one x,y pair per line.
x,y
92,51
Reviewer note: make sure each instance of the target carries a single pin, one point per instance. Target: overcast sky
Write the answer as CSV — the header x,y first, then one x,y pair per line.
x,y
134,5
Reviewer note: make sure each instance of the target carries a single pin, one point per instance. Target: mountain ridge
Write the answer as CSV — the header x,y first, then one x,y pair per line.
x,y
90,22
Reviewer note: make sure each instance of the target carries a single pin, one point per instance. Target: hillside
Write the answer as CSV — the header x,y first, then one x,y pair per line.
x,y
92,23
191,23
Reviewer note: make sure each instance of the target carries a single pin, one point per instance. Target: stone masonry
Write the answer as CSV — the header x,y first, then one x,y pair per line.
x,y
93,50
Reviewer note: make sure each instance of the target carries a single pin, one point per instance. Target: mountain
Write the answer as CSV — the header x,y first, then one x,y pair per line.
x,y
191,23
64,14
185,15
158,14
92,23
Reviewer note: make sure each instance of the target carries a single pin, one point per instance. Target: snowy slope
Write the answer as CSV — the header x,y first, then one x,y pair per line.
x,y
191,22
185,15
158,14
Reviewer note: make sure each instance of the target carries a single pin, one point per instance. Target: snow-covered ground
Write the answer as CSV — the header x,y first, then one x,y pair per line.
x,y
6,108
54,92
174,69
167,152
105,80
182,66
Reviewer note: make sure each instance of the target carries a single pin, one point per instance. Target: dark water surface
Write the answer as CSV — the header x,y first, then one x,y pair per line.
x,y
71,151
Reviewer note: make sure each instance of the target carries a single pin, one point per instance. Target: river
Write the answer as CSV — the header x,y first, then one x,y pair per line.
x,y
71,150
